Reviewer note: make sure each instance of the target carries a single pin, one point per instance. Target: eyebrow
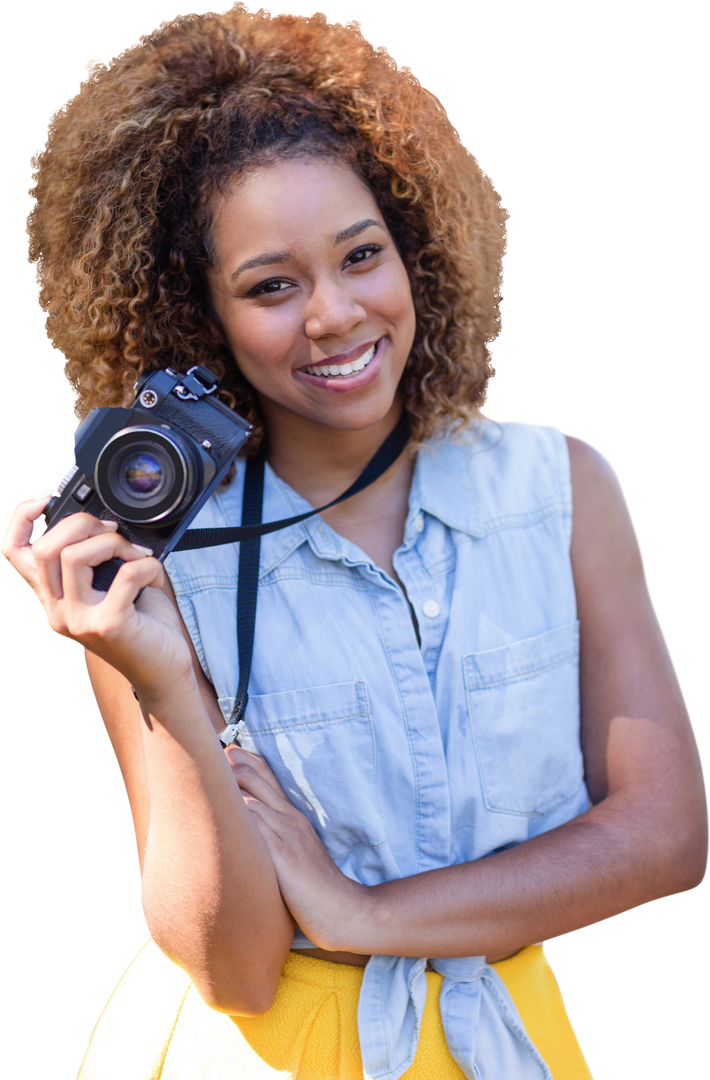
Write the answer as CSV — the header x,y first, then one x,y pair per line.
x,y
270,258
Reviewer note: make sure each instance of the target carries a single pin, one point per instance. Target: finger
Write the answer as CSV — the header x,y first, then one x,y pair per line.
x,y
16,546
142,573
253,783
254,773
77,562
111,616
288,843
30,509
266,816
48,549
270,838
237,755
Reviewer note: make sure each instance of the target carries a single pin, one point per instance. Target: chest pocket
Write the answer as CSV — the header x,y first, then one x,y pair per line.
x,y
320,744
523,703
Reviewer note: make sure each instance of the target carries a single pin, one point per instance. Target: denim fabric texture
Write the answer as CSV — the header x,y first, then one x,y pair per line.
x,y
408,758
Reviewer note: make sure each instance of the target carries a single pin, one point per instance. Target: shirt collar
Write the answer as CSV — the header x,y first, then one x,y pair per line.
x,y
443,487
444,476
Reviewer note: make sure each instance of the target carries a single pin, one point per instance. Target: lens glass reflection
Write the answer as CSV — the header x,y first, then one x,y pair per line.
x,y
141,474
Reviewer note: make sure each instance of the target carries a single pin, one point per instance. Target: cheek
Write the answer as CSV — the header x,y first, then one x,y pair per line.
x,y
400,294
402,310
391,296
260,338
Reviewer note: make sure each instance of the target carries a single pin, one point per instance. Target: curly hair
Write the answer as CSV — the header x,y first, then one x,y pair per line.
x,y
120,228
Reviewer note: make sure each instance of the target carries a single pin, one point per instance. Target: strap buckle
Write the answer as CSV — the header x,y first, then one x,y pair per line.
x,y
197,383
231,734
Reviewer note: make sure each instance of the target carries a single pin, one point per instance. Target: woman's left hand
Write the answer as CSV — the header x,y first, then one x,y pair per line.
x,y
320,897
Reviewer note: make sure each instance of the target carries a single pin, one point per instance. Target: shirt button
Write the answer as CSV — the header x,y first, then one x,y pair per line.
x,y
419,523
430,609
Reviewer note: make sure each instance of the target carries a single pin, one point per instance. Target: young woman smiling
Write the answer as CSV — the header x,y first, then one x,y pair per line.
x,y
432,777
337,295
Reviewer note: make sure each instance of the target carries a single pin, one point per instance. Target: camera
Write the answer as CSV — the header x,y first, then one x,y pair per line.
x,y
151,467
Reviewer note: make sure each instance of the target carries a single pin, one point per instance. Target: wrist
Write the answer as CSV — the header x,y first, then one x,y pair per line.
x,y
160,695
346,923
371,928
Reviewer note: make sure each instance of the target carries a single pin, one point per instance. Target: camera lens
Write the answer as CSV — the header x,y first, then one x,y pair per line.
x,y
147,475
141,475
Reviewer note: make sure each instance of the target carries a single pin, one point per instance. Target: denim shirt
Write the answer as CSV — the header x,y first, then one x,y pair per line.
x,y
408,757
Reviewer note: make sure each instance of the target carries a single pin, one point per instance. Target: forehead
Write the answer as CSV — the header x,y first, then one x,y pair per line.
x,y
288,203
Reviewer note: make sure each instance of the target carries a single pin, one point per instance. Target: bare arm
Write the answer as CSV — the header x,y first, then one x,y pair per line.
x,y
645,836
210,892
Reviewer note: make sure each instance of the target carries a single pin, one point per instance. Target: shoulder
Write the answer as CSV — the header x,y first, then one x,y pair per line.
x,y
504,446
510,443
604,548
589,469
543,464
509,475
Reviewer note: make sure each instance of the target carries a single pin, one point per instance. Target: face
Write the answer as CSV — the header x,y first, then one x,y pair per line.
x,y
311,293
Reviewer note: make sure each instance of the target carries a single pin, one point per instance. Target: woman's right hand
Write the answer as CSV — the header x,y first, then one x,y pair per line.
x,y
141,638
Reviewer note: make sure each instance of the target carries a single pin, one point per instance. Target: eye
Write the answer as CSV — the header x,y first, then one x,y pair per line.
x,y
369,250
264,288
272,287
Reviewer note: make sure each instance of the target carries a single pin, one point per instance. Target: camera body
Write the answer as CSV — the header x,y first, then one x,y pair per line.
x,y
152,467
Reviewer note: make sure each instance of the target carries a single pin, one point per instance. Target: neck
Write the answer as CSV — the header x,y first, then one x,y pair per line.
x,y
317,461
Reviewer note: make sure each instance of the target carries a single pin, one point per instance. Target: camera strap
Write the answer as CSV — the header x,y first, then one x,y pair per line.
x,y
249,534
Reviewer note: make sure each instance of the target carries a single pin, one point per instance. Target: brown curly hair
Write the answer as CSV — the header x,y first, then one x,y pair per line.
x,y
120,230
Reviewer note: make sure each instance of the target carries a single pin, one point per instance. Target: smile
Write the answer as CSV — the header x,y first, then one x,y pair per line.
x,y
348,368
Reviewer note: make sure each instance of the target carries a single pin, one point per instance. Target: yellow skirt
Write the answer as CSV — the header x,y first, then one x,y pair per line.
x,y
156,1026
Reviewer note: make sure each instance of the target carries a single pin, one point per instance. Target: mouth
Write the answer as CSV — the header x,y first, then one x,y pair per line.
x,y
348,375
345,368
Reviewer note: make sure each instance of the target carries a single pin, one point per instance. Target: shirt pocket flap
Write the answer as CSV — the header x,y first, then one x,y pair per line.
x,y
290,709
319,741
523,704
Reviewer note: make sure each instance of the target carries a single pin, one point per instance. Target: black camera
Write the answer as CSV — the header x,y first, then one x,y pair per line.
x,y
152,467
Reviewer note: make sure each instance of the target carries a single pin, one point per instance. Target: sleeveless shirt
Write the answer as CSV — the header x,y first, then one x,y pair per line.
x,y
407,757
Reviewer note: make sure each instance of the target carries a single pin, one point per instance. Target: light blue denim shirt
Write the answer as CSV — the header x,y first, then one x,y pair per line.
x,y
408,758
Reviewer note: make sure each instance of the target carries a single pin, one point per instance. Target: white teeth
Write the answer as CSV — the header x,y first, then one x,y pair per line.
x,y
344,369
367,357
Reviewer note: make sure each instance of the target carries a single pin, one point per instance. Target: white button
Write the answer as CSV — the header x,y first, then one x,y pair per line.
x,y
430,609
419,523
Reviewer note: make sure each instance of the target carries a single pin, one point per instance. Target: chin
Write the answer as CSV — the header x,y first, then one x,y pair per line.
x,y
354,416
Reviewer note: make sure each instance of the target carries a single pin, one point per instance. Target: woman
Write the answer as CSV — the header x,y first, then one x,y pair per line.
x,y
271,198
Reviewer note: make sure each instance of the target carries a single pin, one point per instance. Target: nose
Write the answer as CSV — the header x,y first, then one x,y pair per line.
x,y
332,310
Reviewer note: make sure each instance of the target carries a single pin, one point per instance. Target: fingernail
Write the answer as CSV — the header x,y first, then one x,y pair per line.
x,y
43,494
109,524
142,550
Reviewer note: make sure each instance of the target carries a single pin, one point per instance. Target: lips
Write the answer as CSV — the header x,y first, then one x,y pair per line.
x,y
344,367
346,372
350,360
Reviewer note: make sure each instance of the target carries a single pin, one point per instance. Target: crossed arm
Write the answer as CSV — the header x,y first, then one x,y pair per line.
x,y
630,848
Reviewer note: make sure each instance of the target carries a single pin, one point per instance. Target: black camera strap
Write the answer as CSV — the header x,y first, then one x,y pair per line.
x,y
249,534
